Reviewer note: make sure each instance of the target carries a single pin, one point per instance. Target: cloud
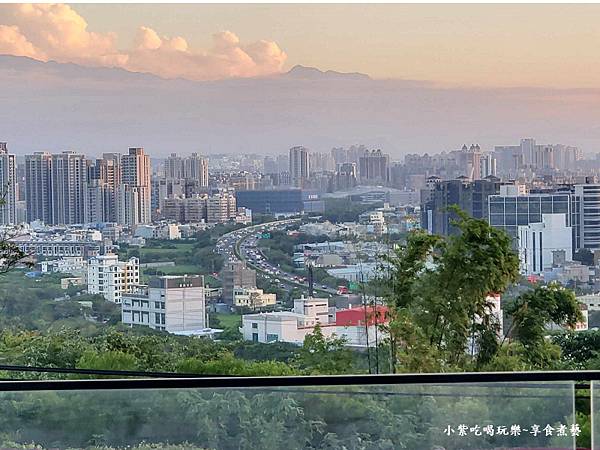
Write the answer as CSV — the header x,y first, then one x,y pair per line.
x,y
57,32
13,42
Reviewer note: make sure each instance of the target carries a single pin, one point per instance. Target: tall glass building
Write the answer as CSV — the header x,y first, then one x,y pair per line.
x,y
589,215
507,212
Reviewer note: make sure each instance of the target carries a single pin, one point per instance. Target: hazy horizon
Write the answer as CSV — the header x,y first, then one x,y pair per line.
x,y
441,76
468,45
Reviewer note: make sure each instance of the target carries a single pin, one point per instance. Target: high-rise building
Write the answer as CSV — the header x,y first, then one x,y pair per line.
x,y
56,187
220,207
487,165
38,187
195,168
104,179
299,166
346,176
174,167
69,188
373,167
540,157
468,160
8,186
513,207
589,215
133,198
469,196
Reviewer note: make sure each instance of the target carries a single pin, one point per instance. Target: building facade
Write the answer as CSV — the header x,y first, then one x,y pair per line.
x,y
8,184
511,209
133,200
176,304
589,215
280,201
38,187
69,188
299,166
236,275
111,278
373,167
545,244
470,196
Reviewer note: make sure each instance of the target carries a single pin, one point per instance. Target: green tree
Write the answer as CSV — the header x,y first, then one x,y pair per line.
x,y
441,318
112,360
324,355
531,314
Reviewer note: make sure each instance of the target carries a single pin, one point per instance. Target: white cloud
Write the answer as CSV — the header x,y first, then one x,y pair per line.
x,y
12,42
57,32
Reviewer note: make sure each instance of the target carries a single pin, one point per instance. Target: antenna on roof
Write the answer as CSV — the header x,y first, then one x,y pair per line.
x,y
310,280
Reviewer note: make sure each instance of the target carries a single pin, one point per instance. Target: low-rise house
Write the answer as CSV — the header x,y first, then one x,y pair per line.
x,y
252,298
359,326
75,265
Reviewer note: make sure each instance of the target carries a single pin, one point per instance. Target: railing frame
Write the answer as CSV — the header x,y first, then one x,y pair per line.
x,y
167,380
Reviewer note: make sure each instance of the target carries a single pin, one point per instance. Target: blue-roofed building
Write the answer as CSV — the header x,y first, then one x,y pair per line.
x,y
281,201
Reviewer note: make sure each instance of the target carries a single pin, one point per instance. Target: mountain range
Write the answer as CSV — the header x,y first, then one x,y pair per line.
x,y
54,106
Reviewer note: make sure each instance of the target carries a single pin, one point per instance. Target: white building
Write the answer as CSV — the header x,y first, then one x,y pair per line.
x,y
108,276
167,231
375,221
591,301
69,264
176,304
545,244
252,298
356,273
357,326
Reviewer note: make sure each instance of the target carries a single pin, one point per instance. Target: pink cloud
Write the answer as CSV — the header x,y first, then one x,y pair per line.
x,y
57,32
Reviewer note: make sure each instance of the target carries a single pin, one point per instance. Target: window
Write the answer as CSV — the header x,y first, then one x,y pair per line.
x,y
497,219
497,208
254,325
272,337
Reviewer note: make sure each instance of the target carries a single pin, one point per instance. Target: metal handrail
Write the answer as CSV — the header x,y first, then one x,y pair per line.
x,y
184,381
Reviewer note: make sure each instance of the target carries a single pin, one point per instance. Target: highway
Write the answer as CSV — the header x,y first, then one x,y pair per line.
x,y
241,245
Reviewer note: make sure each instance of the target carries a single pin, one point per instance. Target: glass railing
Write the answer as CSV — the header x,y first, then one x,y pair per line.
x,y
420,412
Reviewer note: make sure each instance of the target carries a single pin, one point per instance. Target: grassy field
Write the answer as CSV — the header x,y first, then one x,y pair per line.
x,y
152,254
183,269
229,321
167,252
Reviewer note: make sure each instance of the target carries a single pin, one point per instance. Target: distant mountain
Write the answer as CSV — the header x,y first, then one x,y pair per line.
x,y
53,106
312,73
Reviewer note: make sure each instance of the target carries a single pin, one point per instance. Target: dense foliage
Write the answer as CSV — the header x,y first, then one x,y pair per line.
x,y
442,318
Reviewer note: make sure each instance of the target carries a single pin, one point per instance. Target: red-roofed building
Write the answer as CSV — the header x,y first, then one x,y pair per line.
x,y
359,326
358,316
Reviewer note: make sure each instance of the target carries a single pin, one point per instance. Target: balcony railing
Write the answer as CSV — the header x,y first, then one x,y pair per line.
x,y
532,410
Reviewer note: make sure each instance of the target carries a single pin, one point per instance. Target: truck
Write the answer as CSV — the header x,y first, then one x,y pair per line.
x,y
341,290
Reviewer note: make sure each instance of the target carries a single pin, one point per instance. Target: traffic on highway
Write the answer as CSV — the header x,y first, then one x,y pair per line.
x,y
241,245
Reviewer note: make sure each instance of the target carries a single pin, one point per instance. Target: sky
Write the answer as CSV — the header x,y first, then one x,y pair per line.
x,y
469,45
